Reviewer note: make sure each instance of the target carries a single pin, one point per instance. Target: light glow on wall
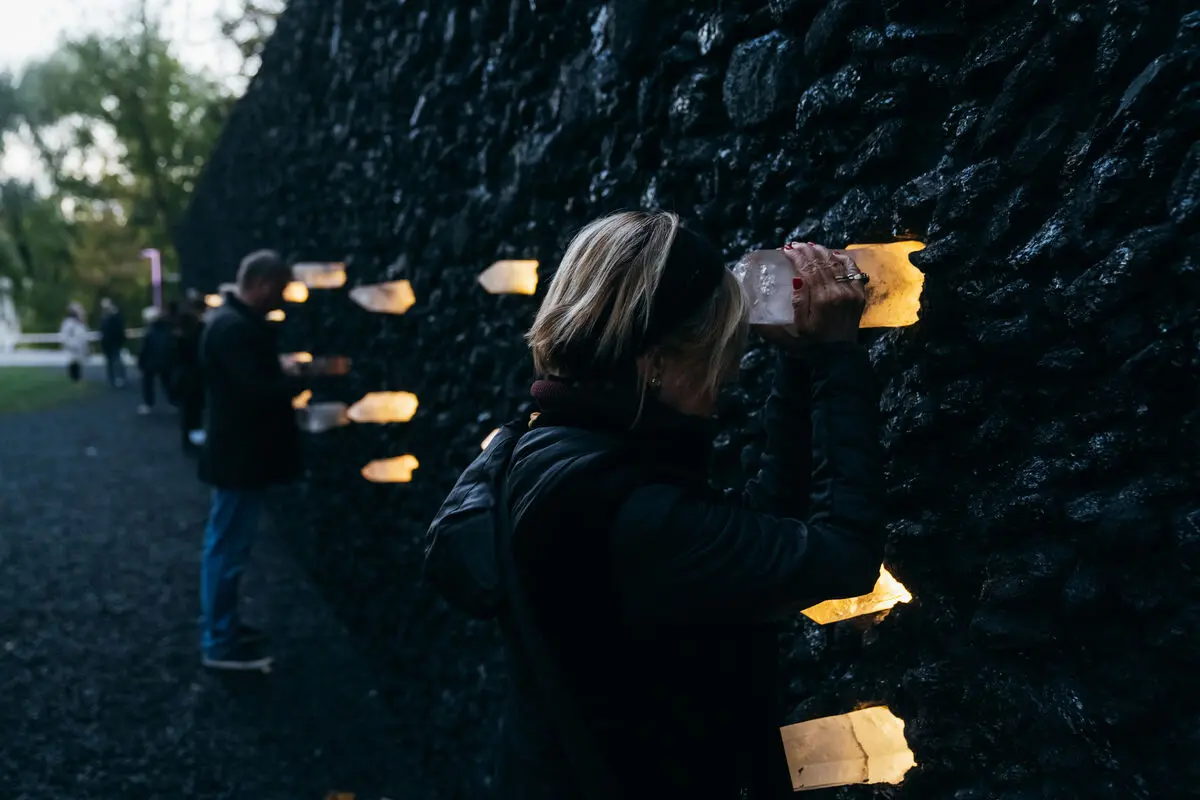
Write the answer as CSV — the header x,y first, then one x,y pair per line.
x,y
488,439
894,293
301,400
384,407
214,300
295,292
864,746
510,277
320,275
394,297
391,470
887,592
276,315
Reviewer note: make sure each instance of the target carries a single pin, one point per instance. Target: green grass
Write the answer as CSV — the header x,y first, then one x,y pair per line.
x,y
29,388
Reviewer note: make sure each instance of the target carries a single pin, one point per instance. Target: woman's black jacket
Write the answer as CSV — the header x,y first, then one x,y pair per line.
x,y
656,594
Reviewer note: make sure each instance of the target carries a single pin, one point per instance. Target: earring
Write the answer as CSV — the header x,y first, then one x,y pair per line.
x,y
655,382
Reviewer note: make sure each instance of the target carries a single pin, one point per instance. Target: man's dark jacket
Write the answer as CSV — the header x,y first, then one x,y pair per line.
x,y
251,437
112,331
656,594
156,354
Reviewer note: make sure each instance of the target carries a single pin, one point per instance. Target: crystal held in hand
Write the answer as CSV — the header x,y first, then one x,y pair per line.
x,y
893,295
766,278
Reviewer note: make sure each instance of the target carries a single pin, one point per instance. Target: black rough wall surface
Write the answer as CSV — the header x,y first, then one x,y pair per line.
x,y
1042,418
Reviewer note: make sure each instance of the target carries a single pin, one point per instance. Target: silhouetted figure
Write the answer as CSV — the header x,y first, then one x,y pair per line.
x,y
189,380
112,342
154,360
651,593
74,337
251,442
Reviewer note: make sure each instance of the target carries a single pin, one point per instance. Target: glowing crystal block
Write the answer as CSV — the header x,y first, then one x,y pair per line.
x,y
301,400
331,275
321,365
290,359
391,470
894,293
394,297
321,417
510,277
295,292
214,300
384,407
276,315
864,746
488,439
887,592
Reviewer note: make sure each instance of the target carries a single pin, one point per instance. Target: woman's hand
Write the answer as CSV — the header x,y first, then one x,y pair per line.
x,y
826,310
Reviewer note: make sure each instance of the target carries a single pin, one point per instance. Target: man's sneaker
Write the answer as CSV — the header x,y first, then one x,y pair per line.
x,y
241,657
248,634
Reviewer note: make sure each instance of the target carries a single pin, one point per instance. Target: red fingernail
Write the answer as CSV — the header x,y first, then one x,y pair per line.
x,y
797,283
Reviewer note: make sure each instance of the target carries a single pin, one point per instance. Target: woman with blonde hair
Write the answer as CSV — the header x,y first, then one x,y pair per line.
x,y
639,602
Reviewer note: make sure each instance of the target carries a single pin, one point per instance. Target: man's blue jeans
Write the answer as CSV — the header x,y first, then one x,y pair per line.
x,y
232,526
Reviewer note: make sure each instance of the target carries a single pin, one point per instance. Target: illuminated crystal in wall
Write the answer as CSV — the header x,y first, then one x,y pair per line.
x,y
384,407
320,417
894,293
291,359
510,277
276,315
865,746
488,439
394,297
320,275
301,400
887,592
321,365
214,300
295,292
391,470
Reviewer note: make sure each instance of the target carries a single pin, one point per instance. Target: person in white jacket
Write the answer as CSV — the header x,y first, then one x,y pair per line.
x,y
74,337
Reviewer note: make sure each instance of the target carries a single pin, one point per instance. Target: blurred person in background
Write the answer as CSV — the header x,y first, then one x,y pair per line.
x,y
112,342
73,333
653,593
154,359
251,443
189,380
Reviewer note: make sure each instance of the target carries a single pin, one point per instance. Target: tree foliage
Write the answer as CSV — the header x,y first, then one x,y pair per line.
x,y
122,130
249,28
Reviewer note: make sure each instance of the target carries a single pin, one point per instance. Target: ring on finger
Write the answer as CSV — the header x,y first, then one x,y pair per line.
x,y
854,277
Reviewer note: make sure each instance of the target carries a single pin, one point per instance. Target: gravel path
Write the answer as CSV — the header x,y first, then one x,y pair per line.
x,y
101,691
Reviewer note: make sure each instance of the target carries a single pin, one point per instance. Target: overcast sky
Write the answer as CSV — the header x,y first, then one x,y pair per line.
x,y
30,29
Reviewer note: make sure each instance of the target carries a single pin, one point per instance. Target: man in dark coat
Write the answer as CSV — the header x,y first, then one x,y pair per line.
x,y
154,359
251,442
112,342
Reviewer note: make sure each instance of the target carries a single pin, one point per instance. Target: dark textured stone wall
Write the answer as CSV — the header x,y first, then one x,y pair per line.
x,y
1042,418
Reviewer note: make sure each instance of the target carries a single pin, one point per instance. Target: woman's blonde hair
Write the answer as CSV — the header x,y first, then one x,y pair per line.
x,y
600,299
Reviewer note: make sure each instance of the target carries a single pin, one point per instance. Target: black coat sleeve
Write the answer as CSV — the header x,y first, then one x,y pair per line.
x,y
783,482
682,557
247,371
